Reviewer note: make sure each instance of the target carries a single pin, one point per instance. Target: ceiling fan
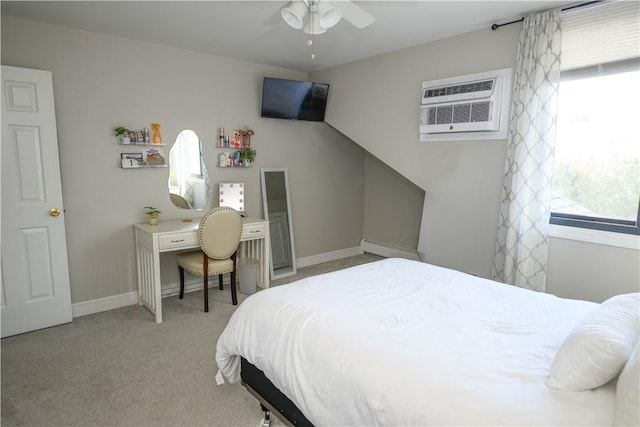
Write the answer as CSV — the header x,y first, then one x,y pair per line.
x,y
316,16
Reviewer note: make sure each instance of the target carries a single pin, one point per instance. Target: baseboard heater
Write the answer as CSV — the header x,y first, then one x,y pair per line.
x,y
388,251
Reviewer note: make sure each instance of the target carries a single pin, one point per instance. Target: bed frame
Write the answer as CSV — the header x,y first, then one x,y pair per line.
x,y
271,399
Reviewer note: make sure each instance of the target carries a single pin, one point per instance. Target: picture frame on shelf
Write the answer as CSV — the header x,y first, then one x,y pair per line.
x,y
132,160
133,136
153,157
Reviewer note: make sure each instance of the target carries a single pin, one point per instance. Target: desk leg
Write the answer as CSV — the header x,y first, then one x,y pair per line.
x,y
257,249
266,264
148,277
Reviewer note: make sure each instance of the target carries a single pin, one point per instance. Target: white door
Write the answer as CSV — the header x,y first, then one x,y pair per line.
x,y
35,290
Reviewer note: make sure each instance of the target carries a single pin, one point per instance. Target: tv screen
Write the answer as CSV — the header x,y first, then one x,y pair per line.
x,y
294,99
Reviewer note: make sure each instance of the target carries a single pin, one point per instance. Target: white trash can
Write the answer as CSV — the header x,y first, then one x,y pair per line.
x,y
247,275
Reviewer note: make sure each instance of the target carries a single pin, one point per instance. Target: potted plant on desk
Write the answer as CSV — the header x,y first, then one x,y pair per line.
x,y
152,214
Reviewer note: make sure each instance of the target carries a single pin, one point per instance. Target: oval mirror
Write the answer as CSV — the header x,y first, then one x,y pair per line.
x,y
188,177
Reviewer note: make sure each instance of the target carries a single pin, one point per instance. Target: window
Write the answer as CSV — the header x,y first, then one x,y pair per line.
x,y
597,156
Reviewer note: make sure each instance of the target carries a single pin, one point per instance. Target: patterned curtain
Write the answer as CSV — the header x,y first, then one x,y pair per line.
x,y
521,247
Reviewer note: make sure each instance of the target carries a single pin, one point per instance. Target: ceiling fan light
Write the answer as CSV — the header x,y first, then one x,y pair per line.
x,y
294,14
312,24
329,14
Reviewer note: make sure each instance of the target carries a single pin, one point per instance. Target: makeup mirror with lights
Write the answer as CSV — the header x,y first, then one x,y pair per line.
x,y
231,194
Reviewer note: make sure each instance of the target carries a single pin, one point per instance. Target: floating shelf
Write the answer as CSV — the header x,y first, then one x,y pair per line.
x,y
143,144
143,166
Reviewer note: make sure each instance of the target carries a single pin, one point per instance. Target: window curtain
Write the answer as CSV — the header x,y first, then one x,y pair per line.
x,y
521,246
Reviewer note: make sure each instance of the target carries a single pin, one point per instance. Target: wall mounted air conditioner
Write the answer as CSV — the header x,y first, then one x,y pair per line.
x,y
471,103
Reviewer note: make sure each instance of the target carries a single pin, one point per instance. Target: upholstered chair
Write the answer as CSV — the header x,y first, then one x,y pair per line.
x,y
219,235
179,201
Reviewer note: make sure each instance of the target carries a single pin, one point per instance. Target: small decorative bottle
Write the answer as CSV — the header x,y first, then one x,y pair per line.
x,y
157,138
221,138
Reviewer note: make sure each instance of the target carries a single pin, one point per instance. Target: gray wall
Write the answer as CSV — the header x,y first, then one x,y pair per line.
x,y
392,205
101,82
375,102
591,271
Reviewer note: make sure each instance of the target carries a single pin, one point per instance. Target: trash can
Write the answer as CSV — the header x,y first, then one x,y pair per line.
x,y
247,275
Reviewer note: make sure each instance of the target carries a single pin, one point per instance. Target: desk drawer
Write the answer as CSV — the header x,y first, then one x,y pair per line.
x,y
178,240
253,231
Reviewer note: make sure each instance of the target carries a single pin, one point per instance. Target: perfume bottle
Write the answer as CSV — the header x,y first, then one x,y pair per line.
x,y
157,138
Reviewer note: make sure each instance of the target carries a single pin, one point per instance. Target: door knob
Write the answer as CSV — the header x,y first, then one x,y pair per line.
x,y
54,211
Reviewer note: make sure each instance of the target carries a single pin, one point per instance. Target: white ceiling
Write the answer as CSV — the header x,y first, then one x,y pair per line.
x,y
248,30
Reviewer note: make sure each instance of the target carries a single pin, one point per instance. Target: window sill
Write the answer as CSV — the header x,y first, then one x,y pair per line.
x,y
621,240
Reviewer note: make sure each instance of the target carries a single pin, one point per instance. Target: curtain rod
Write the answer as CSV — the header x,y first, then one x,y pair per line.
x,y
575,6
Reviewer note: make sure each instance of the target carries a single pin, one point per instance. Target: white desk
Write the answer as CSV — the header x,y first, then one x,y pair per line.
x,y
170,236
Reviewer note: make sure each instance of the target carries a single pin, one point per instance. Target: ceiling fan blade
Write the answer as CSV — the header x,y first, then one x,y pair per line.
x,y
276,17
355,14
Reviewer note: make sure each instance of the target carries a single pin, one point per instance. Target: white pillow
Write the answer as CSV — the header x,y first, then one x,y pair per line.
x,y
599,347
628,392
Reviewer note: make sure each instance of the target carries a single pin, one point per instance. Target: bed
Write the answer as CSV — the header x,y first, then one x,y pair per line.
x,y
400,342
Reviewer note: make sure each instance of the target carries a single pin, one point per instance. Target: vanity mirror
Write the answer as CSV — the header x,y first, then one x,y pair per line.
x,y
277,210
188,177
231,194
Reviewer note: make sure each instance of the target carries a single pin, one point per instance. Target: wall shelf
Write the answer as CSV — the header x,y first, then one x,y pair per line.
x,y
143,144
143,166
228,156
151,156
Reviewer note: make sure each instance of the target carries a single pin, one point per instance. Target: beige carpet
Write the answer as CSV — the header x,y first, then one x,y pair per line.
x,y
120,368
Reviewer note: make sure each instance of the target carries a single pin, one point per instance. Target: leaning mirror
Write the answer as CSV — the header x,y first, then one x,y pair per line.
x,y
277,210
188,177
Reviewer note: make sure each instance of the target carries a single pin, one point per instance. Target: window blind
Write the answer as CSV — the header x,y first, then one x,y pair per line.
x,y
605,32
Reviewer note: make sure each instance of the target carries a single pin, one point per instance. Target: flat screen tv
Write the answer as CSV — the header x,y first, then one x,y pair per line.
x,y
294,99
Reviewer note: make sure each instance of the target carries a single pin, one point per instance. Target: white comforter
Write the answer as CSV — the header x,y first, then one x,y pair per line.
x,y
399,342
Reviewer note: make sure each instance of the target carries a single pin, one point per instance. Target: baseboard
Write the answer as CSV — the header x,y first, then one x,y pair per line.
x,y
328,256
130,298
388,251
196,284
103,304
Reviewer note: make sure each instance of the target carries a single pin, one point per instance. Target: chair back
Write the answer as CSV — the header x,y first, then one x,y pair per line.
x,y
219,232
179,201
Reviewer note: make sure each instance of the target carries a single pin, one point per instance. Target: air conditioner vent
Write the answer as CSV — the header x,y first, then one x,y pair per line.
x,y
462,113
474,106
459,113
456,89
480,112
456,92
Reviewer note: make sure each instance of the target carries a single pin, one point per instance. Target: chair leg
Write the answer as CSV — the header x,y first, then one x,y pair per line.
x,y
234,294
220,282
181,274
206,283
206,293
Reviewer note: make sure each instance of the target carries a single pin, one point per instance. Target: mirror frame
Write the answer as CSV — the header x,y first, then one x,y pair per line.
x,y
289,270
